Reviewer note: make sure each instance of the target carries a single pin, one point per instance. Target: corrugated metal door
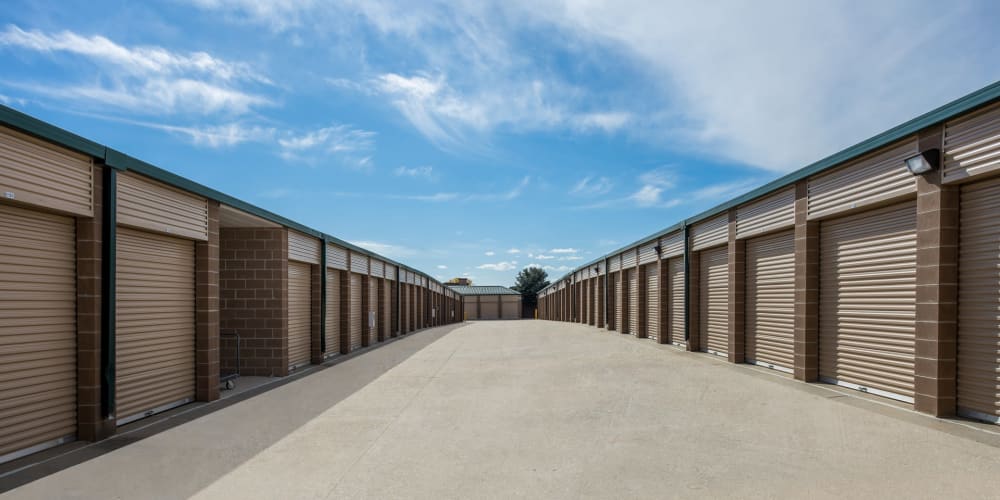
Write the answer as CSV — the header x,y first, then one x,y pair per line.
x,y
511,307
676,291
596,301
37,331
299,320
488,307
155,327
356,315
618,302
652,302
633,301
867,300
770,300
715,300
387,308
332,312
979,301
371,319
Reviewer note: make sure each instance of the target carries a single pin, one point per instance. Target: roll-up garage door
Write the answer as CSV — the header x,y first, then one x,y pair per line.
x,y
770,300
511,307
867,300
618,302
596,302
356,315
652,302
372,319
387,308
155,328
299,319
471,311
633,302
676,294
979,301
332,312
488,307
37,331
715,300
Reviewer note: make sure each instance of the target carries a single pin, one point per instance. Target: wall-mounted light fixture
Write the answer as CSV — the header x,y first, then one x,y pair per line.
x,y
657,249
597,269
924,162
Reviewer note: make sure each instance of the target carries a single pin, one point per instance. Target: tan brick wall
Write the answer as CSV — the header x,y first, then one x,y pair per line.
x,y
737,293
207,310
806,290
253,272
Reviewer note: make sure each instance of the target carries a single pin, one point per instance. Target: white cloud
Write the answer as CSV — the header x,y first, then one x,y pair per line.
x,y
511,194
426,172
544,257
352,144
386,249
490,253
499,266
588,186
442,266
150,80
571,257
436,197
514,250
564,250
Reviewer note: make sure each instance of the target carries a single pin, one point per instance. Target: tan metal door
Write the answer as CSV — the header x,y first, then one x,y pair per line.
x,y
633,302
37,331
652,302
387,308
867,300
979,301
356,315
332,312
155,350
488,307
471,308
299,314
372,319
596,301
511,307
675,268
770,300
715,300
619,299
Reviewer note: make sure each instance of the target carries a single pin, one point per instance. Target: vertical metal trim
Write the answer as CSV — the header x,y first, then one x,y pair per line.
x,y
399,304
687,284
322,297
109,235
607,273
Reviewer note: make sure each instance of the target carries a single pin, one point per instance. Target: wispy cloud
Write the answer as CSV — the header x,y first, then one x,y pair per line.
x,y
442,266
354,145
564,250
490,253
387,249
589,186
499,266
425,172
146,79
514,250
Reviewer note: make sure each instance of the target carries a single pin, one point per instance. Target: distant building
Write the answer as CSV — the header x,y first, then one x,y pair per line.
x,y
459,282
489,302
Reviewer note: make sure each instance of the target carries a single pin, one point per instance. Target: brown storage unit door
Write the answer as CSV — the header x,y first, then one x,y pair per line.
x,y
979,301
332,312
633,302
387,308
652,302
299,298
356,315
511,307
471,309
596,295
155,329
488,307
715,300
618,302
37,330
770,300
867,300
676,294
371,317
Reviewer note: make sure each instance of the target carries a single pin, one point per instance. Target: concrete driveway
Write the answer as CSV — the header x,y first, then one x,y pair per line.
x,y
545,410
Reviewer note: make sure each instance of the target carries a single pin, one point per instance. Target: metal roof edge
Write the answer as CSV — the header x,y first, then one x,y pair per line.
x,y
48,132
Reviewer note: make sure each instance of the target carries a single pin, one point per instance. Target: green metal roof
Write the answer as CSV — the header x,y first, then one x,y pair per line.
x,y
483,290
115,159
951,110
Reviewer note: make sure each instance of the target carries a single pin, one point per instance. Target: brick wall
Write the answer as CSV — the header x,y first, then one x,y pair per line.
x,y
207,309
253,286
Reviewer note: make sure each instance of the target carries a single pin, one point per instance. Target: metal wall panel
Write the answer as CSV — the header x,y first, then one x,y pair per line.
x,y
647,252
488,307
155,324
774,212
619,301
332,332
979,300
628,258
672,244
714,302
601,267
632,277
40,174
37,331
770,300
378,268
652,301
387,307
303,248
511,307
714,231
336,257
390,272
615,262
299,314
676,299
147,204
867,300
356,314
471,310
359,263
972,144
876,178
371,315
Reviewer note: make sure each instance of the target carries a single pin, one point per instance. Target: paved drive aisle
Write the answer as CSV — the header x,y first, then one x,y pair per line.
x,y
544,410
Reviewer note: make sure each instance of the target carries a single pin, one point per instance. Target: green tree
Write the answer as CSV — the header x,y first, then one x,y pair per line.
x,y
529,282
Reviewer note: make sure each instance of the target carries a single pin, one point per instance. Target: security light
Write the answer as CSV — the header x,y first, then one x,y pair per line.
x,y
923,162
596,269
657,249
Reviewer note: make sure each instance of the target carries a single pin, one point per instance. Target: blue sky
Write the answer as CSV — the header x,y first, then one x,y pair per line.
x,y
470,138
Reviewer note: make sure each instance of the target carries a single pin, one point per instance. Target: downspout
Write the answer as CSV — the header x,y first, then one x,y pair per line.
x,y
109,244
687,285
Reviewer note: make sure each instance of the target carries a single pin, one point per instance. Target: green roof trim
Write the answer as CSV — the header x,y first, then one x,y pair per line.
x,y
943,113
42,130
482,290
